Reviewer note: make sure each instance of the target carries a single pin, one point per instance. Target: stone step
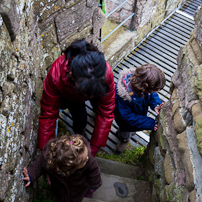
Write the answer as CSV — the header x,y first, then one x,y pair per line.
x,y
119,169
120,43
121,189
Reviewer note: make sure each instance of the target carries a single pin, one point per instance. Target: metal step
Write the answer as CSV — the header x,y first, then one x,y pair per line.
x,y
160,48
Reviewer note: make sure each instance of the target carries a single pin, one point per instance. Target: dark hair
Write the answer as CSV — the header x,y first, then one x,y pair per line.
x,y
65,154
147,78
88,67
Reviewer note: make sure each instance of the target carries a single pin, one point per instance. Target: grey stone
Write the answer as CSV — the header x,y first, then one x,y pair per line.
x,y
8,11
119,169
138,191
196,159
72,19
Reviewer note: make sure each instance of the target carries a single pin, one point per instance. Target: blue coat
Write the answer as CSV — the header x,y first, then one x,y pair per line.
x,y
131,110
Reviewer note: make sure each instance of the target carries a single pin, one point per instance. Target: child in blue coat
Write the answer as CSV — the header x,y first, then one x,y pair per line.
x,y
135,92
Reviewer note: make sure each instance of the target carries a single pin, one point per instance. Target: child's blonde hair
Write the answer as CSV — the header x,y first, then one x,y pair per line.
x,y
65,154
147,78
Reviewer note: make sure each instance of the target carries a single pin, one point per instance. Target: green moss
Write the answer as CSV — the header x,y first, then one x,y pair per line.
x,y
158,184
175,194
198,132
131,155
44,192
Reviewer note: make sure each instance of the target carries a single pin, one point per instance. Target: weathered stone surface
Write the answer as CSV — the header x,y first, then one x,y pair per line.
x,y
158,162
121,47
98,21
198,81
82,32
71,19
169,170
198,23
185,153
143,23
199,198
29,44
196,51
11,18
170,135
192,196
176,194
181,120
195,158
45,9
163,197
161,139
179,123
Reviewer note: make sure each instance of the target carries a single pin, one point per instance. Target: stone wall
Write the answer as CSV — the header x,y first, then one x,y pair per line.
x,y
149,13
32,35
174,155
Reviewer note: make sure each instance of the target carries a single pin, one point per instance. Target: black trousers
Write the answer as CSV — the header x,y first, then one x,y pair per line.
x,y
78,112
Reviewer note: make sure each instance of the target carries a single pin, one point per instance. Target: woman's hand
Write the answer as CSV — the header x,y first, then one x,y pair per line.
x,y
26,177
157,109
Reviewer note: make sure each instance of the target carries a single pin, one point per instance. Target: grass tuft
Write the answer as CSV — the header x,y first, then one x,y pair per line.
x,y
132,155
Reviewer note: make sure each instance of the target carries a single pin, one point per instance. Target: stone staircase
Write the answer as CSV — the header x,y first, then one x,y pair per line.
x,y
120,183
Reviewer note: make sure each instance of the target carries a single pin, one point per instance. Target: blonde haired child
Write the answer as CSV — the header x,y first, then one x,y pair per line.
x,y
73,171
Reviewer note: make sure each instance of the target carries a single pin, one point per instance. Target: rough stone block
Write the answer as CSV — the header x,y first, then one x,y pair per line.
x,y
196,48
176,105
47,9
177,78
4,180
192,196
174,97
198,81
187,162
179,123
82,32
198,24
72,19
98,21
199,198
158,162
161,139
8,11
176,193
196,159
123,44
169,170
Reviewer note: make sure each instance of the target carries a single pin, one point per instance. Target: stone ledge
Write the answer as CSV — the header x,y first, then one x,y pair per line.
x,y
119,169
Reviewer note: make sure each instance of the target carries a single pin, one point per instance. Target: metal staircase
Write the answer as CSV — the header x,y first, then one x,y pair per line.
x,y
160,47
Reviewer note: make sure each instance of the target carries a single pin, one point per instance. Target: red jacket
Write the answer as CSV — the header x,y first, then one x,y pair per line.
x,y
57,85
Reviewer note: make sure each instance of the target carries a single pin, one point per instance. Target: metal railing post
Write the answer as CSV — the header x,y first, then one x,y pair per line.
x,y
100,5
132,20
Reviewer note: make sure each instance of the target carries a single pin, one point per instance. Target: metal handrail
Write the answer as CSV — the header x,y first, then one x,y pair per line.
x,y
131,16
150,33
116,9
134,8
117,27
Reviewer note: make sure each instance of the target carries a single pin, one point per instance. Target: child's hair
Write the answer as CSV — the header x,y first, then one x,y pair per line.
x,y
65,154
147,78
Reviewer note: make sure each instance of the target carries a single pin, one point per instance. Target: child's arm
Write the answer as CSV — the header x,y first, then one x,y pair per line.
x,y
26,177
35,170
155,102
140,122
157,109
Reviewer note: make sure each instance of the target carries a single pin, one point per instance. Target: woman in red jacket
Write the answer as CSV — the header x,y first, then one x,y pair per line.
x,y
80,74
